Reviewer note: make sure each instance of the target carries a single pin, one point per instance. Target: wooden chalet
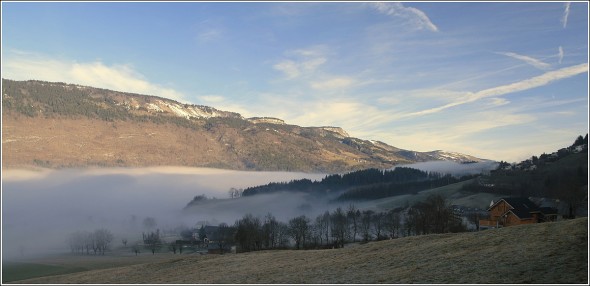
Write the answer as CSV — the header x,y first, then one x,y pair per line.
x,y
516,211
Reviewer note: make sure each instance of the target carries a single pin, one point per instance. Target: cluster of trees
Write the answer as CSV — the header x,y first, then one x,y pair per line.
x,y
252,233
328,230
198,199
235,193
334,229
399,175
433,215
83,241
152,241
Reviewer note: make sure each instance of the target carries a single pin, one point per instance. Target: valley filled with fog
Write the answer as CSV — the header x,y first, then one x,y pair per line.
x,y
40,208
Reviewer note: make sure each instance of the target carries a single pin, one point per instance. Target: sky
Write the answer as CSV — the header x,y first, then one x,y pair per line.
x,y
496,80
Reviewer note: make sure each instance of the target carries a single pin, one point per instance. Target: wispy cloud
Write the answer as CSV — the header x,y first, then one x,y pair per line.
x,y
533,82
209,30
333,83
417,18
343,113
307,68
529,60
498,101
303,61
120,77
209,35
566,14
290,68
560,54
460,132
483,121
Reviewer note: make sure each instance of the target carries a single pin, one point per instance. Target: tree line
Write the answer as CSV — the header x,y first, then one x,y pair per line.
x,y
331,229
337,182
335,229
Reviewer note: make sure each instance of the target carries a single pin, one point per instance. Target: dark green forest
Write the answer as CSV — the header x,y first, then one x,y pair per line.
x,y
364,184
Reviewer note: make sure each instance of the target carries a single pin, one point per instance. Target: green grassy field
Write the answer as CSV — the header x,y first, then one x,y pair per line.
x,y
14,271
67,263
452,192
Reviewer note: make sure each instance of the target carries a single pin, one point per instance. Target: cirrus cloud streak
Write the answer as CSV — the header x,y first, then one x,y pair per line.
x,y
533,82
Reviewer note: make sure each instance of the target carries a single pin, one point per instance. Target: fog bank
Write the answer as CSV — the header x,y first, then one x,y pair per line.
x,y
40,208
453,168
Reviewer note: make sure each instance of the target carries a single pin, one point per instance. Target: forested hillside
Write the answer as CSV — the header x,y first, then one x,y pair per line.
x,y
364,184
561,175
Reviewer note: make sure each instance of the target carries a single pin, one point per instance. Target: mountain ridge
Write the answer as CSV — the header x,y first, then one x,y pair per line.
x,y
193,135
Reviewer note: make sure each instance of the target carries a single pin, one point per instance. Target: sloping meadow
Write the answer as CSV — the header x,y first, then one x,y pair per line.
x,y
553,253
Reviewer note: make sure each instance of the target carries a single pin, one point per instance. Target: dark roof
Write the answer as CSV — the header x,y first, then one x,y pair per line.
x,y
211,230
523,207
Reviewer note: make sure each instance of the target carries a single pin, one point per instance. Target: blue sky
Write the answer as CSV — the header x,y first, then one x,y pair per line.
x,y
502,81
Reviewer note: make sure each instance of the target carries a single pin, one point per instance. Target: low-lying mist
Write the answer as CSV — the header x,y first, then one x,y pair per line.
x,y
454,168
41,208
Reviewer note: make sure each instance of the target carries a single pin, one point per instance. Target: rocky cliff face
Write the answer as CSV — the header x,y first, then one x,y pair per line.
x,y
270,120
336,130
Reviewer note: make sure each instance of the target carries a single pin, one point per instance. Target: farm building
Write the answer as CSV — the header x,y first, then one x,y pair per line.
x,y
516,211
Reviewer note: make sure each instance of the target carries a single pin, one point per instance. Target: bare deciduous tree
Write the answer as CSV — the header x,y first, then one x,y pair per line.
x,y
98,241
299,229
378,225
249,233
152,241
270,230
353,214
339,226
102,239
366,224
135,248
393,223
